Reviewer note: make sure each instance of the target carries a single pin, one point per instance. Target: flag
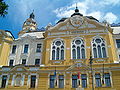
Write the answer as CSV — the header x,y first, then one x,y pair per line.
x,y
55,78
78,78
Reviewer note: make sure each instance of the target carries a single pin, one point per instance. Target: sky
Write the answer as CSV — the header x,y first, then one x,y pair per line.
x,y
50,11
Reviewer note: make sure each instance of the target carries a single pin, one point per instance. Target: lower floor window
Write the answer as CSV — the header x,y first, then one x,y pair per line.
x,y
52,80
57,81
107,79
33,81
4,80
61,81
84,80
74,81
98,80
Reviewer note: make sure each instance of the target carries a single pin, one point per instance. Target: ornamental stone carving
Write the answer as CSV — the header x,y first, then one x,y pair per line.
x,y
77,21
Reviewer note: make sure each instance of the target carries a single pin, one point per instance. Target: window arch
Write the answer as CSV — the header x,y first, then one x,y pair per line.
x,y
78,49
99,48
58,50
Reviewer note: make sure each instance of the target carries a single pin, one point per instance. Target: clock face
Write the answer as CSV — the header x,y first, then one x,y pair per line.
x,y
77,21
28,23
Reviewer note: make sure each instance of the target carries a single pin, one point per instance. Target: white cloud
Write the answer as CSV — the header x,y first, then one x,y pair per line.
x,y
97,15
110,17
67,11
110,2
90,8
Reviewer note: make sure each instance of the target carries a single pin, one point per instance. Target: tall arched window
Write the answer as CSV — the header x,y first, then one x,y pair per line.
x,y
78,49
58,50
99,48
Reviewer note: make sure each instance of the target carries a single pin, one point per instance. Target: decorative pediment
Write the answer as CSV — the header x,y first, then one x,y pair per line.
x,y
77,66
77,22
18,69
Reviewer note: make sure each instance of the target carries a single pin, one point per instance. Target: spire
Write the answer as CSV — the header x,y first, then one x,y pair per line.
x,y
76,12
32,15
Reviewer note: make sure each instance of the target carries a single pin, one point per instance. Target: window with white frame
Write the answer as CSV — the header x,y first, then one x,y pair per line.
x,y
118,43
14,49
38,49
98,80
57,50
107,79
74,81
61,81
23,61
78,49
99,48
84,80
52,81
33,81
26,46
11,62
4,80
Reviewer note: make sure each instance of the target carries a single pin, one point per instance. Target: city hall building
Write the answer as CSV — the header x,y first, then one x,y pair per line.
x,y
78,53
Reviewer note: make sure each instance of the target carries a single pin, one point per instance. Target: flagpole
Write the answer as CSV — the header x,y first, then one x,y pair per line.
x,y
55,78
91,62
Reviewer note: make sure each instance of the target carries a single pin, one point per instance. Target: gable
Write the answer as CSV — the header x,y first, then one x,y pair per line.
x,y
18,69
77,24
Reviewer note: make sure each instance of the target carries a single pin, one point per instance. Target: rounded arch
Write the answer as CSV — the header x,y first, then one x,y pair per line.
x,y
78,48
99,47
57,49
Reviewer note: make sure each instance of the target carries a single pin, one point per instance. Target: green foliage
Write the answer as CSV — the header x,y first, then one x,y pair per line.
x,y
3,8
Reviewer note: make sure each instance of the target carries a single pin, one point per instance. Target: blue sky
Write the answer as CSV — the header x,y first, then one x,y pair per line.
x,y
50,11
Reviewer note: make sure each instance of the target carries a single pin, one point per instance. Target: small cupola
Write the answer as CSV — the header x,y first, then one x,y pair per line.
x,y
76,12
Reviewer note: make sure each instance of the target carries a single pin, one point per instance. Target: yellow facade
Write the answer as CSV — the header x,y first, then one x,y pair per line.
x,y
76,27
5,40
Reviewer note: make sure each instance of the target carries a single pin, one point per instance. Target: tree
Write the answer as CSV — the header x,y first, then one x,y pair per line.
x,y
3,8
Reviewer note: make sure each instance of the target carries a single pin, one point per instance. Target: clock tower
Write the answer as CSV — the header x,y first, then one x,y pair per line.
x,y
29,25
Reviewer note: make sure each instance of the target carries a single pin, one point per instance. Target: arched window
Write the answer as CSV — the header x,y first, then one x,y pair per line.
x,y
57,50
78,49
98,48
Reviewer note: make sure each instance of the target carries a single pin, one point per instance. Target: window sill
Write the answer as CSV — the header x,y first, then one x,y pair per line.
x,y
56,62
55,88
104,87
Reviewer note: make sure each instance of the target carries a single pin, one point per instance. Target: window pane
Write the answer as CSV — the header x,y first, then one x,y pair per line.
x,y
38,48
77,42
104,52
61,81
107,79
74,81
118,43
24,61
57,54
99,52
98,80
53,54
51,81
33,81
78,52
13,49
4,79
62,54
11,62
98,41
58,43
26,48
95,52
37,61
74,53
84,80
83,53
